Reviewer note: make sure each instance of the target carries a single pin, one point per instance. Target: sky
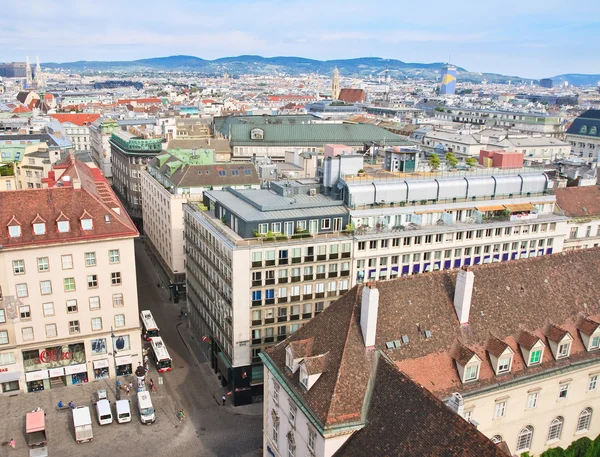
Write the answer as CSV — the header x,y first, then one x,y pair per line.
x,y
528,38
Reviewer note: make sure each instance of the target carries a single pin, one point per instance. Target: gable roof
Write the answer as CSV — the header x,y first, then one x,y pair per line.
x,y
515,300
587,326
76,119
556,333
583,201
404,419
352,95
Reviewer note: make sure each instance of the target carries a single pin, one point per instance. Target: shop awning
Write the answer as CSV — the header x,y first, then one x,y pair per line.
x,y
100,364
483,209
9,376
520,207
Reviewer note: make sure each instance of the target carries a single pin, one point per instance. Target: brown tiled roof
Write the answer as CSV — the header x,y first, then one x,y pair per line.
x,y
508,297
77,119
406,420
352,95
579,201
462,354
527,339
555,333
63,201
301,348
316,364
496,346
220,145
587,325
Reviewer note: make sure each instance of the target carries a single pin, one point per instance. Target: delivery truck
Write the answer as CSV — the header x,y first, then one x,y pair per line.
x,y
35,426
82,422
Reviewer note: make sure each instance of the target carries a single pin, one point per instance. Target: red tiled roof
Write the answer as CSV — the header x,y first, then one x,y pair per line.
x,y
579,201
77,119
587,326
352,95
65,200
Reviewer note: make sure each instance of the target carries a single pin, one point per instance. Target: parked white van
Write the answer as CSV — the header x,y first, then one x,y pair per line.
x,y
145,407
123,411
104,412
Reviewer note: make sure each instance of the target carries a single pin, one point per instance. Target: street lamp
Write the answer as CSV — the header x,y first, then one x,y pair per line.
x,y
114,353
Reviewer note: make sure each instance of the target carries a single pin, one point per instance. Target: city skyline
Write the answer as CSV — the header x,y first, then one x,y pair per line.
x,y
533,40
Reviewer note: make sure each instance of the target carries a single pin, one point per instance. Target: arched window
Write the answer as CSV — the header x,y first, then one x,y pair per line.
x,y
496,439
524,439
555,429
583,423
593,130
583,129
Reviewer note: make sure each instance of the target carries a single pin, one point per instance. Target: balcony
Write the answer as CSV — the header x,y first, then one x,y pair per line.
x,y
295,317
333,256
256,302
320,275
282,319
309,258
269,301
282,280
285,261
307,297
333,274
345,273
269,282
320,295
332,293
297,260
270,320
257,282
322,257
295,298
258,322
295,279
345,255
269,263
282,300
343,291
308,277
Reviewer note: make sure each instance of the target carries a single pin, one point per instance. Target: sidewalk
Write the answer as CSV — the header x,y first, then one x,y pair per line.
x,y
216,390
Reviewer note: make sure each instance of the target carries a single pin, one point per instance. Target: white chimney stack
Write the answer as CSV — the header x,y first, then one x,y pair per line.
x,y
368,313
463,293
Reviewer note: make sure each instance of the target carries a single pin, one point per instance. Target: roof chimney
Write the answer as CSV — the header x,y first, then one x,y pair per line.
x,y
368,313
463,293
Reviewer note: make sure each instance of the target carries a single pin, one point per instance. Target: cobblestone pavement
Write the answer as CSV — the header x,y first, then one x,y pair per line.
x,y
209,429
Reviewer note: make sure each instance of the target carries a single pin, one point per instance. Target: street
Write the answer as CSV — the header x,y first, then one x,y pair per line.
x,y
209,429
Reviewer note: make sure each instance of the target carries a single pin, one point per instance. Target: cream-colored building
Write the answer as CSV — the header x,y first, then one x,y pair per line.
x,y
66,268
582,206
7,183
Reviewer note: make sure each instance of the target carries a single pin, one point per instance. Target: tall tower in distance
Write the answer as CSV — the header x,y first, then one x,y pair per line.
x,y
39,77
448,82
335,84
28,72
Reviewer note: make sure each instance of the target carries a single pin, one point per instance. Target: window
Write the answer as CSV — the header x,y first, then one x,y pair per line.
x,y
71,306
39,228
312,439
555,429
18,267
3,336
275,430
69,284
90,259
325,224
27,333
471,372
504,364
291,445
87,224
583,422
276,393
45,287
48,309
8,358
96,323
43,264
293,413
563,391
94,303
22,290
500,410
563,350
73,326
63,226
535,357
117,299
115,278
532,400
524,439
119,320
114,257
51,331
67,262
92,281
14,231
595,342
24,312
593,382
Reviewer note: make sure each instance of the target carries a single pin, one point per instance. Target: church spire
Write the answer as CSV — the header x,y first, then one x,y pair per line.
x,y
335,84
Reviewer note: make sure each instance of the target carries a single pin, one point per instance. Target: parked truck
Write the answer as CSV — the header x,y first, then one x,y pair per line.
x,y
82,422
35,426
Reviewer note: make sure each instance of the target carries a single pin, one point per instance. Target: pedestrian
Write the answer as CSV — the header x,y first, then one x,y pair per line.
x,y
152,387
12,443
131,385
181,415
223,399
127,389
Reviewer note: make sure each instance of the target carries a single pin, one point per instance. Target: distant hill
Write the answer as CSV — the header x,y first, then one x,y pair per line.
x,y
249,64
577,79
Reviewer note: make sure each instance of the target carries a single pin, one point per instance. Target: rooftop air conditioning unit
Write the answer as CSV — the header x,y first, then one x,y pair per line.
x,y
312,192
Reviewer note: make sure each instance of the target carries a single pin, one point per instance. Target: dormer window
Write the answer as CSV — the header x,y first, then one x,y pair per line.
x,y
595,342
303,376
535,357
589,331
471,373
14,231
501,355
467,363
289,358
504,364
563,350
532,348
87,224
63,226
39,228
559,340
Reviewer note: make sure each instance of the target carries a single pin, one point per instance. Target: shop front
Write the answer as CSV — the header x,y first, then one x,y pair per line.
x,y
9,379
101,369
37,380
124,365
57,366
57,377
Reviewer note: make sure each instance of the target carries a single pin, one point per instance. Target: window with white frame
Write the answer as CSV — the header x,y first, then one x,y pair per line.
x,y
312,439
14,231
90,259
51,331
69,284
500,410
594,342
45,287
96,323
532,400
63,226
289,359
115,278
504,364
555,430
27,333
48,309
87,224
24,312
2,316
275,429
39,228
7,358
276,393
114,256
584,419
293,414
3,336
94,303
92,281
563,391
74,327
593,382
43,264
563,350
471,372
524,439
71,306
18,267
291,445
22,290
119,320
67,262
117,299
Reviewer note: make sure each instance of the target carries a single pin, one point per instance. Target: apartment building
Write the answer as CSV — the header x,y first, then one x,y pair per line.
x,y
100,132
68,313
170,181
130,153
260,264
583,135
77,128
582,206
512,347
